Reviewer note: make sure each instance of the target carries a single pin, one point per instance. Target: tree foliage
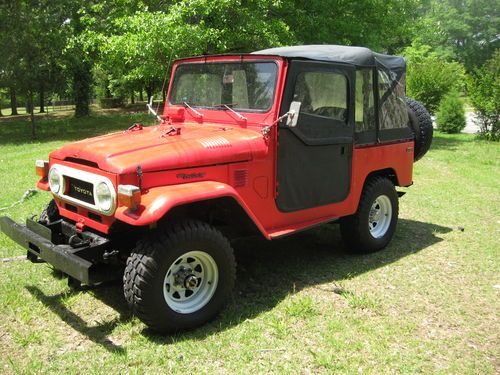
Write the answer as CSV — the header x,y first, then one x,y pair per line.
x,y
466,30
430,77
381,25
136,55
29,55
118,47
484,94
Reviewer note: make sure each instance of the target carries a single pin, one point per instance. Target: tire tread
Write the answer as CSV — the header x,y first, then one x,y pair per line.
x,y
423,129
142,266
353,229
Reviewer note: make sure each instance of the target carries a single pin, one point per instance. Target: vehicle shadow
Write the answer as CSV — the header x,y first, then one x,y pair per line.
x,y
268,271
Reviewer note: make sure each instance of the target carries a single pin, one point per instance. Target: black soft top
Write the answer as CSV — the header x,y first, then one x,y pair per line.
x,y
359,56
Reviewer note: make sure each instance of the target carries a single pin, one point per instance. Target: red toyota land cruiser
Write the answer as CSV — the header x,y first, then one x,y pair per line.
x,y
274,142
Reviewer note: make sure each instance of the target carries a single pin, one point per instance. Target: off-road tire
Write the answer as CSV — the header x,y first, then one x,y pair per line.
x,y
355,229
150,261
421,125
50,213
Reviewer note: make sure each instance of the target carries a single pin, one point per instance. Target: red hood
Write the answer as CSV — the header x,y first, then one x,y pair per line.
x,y
197,145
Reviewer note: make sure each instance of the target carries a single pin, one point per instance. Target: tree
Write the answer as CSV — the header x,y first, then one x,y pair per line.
x,y
9,13
30,41
467,30
430,77
484,94
381,25
142,44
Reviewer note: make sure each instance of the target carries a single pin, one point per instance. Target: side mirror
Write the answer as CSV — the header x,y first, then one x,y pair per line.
x,y
293,114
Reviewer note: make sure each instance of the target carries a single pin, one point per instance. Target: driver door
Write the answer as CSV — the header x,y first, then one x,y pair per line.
x,y
314,157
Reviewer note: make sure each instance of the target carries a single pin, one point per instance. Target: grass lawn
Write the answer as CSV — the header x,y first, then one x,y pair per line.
x,y
429,303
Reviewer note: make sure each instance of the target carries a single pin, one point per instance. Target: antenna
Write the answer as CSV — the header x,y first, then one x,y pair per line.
x,y
166,75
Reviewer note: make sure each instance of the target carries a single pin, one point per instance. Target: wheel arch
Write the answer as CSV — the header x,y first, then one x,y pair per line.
x,y
388,173
205,200
225,213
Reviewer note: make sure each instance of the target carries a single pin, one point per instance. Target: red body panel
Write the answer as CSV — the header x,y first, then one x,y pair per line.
x,y
217,156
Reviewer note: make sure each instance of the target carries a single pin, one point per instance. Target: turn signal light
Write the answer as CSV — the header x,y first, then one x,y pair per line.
x,y
42,168
129,196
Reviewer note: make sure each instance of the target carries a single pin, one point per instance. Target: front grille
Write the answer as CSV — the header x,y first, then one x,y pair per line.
x,y
81,190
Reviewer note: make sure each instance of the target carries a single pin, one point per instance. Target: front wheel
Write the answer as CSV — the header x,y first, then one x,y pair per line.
x,y
371,228
181,279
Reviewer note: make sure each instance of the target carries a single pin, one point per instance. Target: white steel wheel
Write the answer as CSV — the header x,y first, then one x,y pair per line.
x,y
190,282
380,216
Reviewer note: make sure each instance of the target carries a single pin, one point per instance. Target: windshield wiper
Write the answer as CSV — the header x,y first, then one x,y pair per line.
x,y
197,113
228,107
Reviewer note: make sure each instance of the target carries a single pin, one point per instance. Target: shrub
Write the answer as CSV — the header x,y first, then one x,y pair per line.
x,y
484,93
430,77
451,114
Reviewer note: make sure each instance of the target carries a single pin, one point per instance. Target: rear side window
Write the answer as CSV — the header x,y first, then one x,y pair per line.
x,y
365,108
393,113
322,94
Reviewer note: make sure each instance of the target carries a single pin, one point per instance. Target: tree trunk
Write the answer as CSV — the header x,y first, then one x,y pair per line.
x,y
132,97
81,86
1,114
31,106
13,102
141,96
42,98
149,91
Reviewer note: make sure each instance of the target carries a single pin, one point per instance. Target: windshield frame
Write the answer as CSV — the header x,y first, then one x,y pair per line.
x,y
219,106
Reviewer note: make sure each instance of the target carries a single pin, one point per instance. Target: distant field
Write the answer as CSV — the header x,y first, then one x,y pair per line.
x,y
429,303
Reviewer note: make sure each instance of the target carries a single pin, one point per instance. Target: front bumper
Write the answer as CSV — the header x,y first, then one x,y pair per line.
x,y
86,260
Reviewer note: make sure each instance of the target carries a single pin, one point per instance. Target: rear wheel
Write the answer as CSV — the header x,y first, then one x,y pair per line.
x,y
181,279
371,228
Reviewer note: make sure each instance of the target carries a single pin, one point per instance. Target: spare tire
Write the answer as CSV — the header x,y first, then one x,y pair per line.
x,y
421,125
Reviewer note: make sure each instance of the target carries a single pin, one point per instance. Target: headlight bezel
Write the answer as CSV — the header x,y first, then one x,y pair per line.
x,y
104,204
65,172
54,172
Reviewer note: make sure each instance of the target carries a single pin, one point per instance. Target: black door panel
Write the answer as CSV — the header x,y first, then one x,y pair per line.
x,y
314,158
313,178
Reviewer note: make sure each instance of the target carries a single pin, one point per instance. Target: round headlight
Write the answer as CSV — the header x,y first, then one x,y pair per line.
x,y
104,197
54,180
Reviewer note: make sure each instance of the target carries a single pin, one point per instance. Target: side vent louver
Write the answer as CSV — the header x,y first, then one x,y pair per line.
x,y
240,178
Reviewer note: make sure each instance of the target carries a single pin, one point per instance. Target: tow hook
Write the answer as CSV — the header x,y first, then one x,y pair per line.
x,y
110,256
75,241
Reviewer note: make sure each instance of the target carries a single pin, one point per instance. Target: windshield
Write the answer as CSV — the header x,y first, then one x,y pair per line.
x,y
244,86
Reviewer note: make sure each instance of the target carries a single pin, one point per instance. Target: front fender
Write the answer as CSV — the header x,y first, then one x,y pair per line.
x,y
159,200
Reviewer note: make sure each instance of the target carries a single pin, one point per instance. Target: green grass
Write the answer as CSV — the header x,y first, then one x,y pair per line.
x,y
48,109
426,304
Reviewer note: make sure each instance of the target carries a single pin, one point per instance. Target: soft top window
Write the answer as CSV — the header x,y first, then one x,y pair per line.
x,y
393,111
322,94
245,86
